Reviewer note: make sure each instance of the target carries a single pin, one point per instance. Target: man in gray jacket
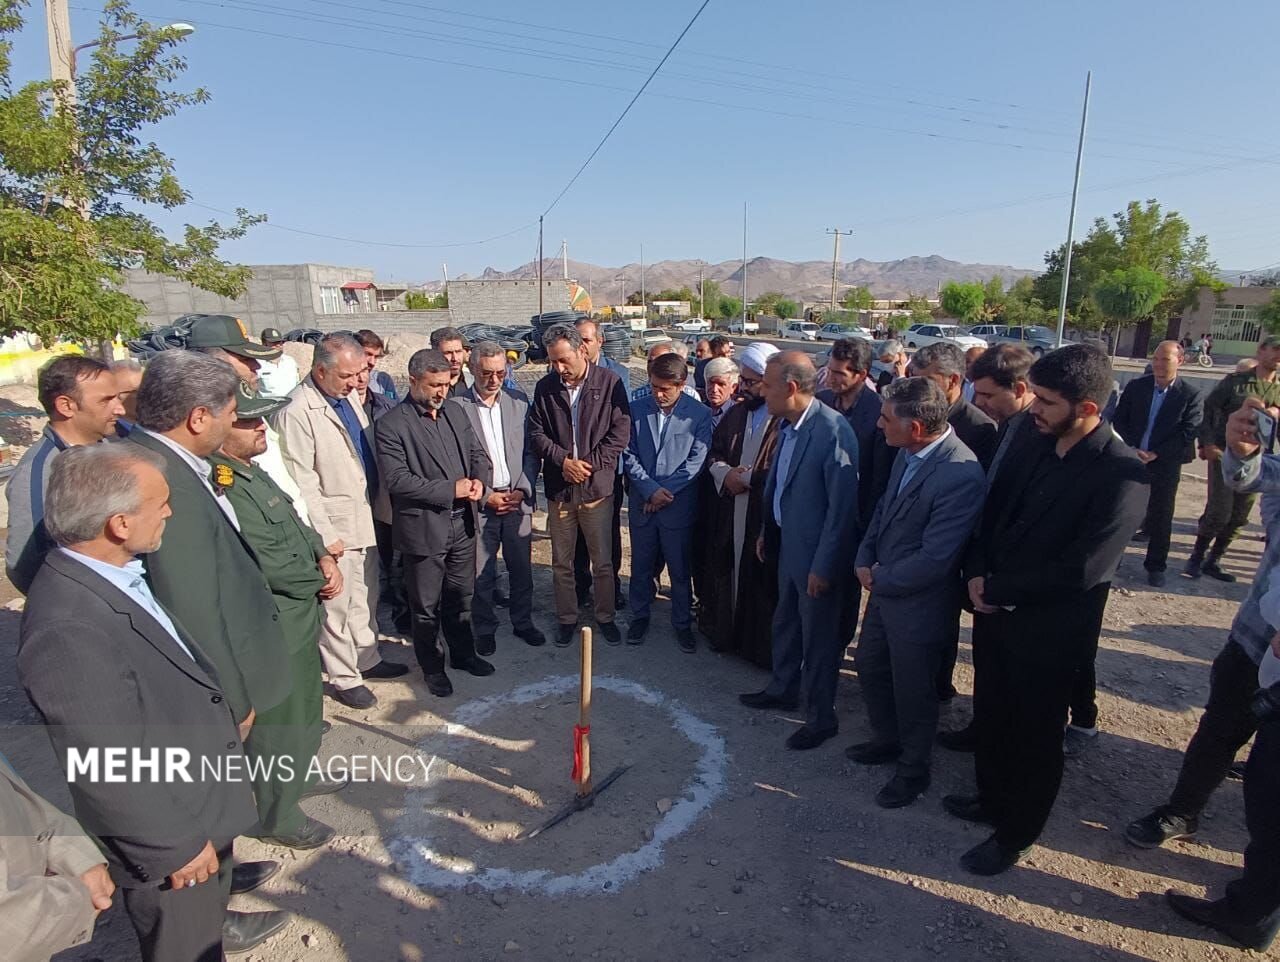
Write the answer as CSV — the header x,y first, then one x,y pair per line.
x,y
909,562
81,398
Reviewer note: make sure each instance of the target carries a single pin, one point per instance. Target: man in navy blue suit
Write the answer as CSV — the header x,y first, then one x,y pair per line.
x,y
670,437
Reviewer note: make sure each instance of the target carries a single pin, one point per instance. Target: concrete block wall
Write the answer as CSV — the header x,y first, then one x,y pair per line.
x,y
505,302
387,323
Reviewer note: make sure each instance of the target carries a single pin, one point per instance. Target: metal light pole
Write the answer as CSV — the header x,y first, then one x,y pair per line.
x,y
1071,221
744,267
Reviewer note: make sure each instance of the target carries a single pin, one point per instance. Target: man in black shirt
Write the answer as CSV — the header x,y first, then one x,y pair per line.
x,y
944,363
1053,528
436,470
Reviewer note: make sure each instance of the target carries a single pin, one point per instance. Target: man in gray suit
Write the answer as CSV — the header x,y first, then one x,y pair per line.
x,y
811,504
506,515
909,562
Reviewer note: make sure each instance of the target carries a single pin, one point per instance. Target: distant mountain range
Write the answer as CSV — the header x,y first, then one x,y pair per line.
x,y
804,280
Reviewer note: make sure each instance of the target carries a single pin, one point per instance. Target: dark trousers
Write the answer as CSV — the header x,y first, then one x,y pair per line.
x,y
1027,671
1254,899
392,595
650,544
807,646
292,730
1227,723
582,558
898,675
1159,521
1226,511
511,534
182,925
440,587
1084,685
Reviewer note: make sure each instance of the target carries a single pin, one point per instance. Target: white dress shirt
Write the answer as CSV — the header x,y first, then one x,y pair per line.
x,y
491,428
786,446
203,469
130,580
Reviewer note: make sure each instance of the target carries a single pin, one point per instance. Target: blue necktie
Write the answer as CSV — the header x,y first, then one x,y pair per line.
x,y
349,420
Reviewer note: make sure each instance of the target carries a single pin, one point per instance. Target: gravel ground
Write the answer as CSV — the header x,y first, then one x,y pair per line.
x,y
782,855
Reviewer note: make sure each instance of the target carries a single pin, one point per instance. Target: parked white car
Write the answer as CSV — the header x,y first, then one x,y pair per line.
x,y
918,335
800,331
739,326
988,332
694,325
835,332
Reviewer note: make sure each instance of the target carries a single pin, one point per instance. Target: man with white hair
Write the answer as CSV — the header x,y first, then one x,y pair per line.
x,y
325,442
737,592
721,377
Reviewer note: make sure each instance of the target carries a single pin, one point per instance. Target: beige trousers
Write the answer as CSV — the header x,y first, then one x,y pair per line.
x,y
595,519
349,632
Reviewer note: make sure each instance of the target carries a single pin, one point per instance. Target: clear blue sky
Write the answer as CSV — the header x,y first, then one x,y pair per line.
x,y
927,127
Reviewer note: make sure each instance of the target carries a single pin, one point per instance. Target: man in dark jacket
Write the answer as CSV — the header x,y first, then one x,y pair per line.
x,y
1159,417
579,425
1039,571
436,471
108,667
944,362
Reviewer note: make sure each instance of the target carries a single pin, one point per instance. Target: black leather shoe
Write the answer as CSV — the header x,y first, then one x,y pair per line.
x,y
967,807
384,670
959,739
438,684
564,635
1141,537
501,599
247,876
326,726
357,697
991,858
945,695
313,834
532,637
611,633
685,639
637,630
486,644
1193,568
326,787
241,931
1158,827
901,791
873,753
762,699
804,738
1156,579
1217,916
1211,569
475,666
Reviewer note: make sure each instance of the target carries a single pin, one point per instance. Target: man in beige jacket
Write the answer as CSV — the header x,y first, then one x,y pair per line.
x,y
324,439
53,879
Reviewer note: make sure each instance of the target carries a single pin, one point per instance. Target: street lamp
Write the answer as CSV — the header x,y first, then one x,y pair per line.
x,y
179,29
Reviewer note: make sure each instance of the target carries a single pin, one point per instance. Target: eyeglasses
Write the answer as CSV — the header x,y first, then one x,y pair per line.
x,y
491,375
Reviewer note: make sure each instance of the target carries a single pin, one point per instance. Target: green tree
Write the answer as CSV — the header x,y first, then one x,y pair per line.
x,y
993,297
1129,294
422,301
676,294
963,301
1269,314
767,303
786,309
633,299
710,298
60,269
857,298
728,307
921,312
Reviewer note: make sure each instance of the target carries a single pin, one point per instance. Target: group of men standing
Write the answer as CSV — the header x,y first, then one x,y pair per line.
x,y
987,483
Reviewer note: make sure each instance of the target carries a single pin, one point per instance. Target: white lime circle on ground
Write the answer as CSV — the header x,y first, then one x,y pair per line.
x,y
428,868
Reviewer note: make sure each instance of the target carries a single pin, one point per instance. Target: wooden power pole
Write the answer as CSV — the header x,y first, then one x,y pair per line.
x,y
835,263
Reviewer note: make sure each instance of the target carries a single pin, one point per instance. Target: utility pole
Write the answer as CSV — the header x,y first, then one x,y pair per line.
x,y
540,216
644,304
744,267
1071,221
58,21
564,257
835,262
702,309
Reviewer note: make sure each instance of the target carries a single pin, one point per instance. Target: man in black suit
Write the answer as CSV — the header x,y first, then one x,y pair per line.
x,y
1159,417
944,362
436,470
108,667
1039,571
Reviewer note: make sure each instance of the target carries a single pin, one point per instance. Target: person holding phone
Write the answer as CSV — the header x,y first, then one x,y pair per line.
x,y
1227,510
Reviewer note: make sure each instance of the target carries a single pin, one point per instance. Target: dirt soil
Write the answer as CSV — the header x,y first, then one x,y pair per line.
x,y
760,852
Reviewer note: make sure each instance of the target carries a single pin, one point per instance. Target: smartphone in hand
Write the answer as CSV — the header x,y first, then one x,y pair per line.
x,y
1265,425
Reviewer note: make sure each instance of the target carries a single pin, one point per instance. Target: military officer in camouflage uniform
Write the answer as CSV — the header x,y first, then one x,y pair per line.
x,y
300,573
